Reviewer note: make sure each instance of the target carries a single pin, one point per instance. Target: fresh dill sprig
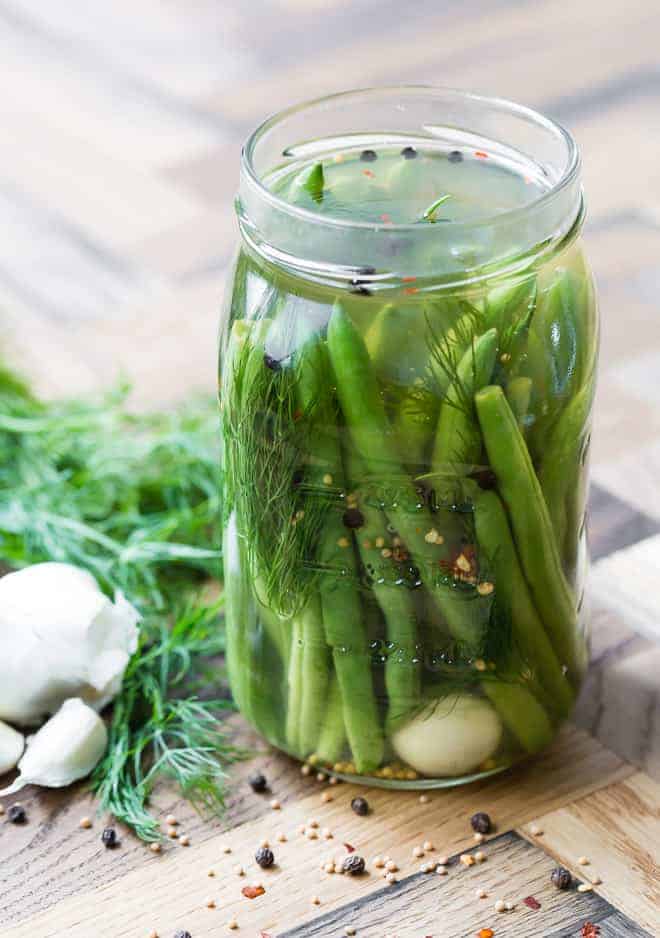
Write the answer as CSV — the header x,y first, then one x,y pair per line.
x,y
161,729
134,499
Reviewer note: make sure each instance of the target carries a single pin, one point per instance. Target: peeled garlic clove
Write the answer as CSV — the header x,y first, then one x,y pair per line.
x,y
65,749
450,737
12,745
60,637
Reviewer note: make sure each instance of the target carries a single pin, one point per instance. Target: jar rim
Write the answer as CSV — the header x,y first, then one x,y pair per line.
x,y
568,177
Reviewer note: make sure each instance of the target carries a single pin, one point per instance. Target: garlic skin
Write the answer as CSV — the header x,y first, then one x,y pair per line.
x,y
450,737
65,749
60,637
12,745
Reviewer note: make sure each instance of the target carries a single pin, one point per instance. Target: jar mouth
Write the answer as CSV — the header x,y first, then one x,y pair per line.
x,y
568,176
333,249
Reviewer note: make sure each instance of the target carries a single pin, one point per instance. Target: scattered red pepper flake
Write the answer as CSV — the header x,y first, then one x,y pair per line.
x,y
367,172
408,279
532,902
589,930
251,892
486,933
350,848
411,290
386,218
481,155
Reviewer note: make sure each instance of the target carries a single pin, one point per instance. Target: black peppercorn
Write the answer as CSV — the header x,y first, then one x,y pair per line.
x,y
17,814
455,156
353,865
257,781
360,806
109,838
353,518
409,153
264,857
271,363
368,156
182,934
359,289
561,878
481,823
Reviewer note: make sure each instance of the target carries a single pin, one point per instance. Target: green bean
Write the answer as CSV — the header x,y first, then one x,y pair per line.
x,y
561,472
457,445
520,710
535,540
346,635
519,395
342,613
364,412
403,664
315,676
332,738
514,601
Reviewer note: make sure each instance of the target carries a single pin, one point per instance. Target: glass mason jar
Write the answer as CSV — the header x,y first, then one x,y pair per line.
x,y
408,353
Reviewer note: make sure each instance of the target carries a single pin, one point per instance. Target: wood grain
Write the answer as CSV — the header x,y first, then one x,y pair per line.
x,y
618,830
173,889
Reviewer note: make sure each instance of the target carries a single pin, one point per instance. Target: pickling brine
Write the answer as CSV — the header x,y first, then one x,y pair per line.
x,y
407,374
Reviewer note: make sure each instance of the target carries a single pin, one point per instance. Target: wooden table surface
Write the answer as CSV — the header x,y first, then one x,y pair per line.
x,y
122,132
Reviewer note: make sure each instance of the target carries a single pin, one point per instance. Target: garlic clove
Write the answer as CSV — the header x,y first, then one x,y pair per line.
x,y
65,749
60,637
12,745
451,737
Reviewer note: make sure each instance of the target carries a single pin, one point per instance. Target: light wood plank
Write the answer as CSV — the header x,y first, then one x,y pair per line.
x,y
618,829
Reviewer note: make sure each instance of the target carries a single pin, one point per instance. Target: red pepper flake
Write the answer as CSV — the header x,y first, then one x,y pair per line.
x,y
408,279
350,848
532,903
411,290
251,892
486,933
589,930
367,172
387,219
481,155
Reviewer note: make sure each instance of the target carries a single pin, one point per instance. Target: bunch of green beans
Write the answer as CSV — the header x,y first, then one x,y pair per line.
x,y
433,476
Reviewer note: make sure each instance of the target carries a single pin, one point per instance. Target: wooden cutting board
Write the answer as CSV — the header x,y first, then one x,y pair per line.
x,y
580,799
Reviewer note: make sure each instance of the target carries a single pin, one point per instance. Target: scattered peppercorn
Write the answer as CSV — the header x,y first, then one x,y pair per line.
x,y
109,838
409,153
561,878
182,934
354,865
353,518
17,814
264,857
455,156
368,156
481,823
360,806
258,782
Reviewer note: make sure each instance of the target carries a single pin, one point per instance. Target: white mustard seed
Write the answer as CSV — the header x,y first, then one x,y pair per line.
x,y
391,866
184,841
500,906
596,881
85,823
232,924
171,821
390,879
326,797
305,769
423,799
479,838
480,856
327,834
321,776
316,900
275,805
329,867
240,871
585,887
333,781
428,846
281,837
583,861
155,847
535,830
418,852
481,894
313,823
378,862
443,860
172,832
264,843
312,834
442,870
509,906
211,873
349,930
210,903
226,849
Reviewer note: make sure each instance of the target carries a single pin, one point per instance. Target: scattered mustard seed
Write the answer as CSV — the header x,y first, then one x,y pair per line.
x,y
481,894
275,805
585,887
326,797
467,859
442,869
226,849
240,871
211,873
313,823
428,846
349,930
210,903
232,924
155,847
535,830
596,881
418,852
480,856
316,900
500,906
583,861
171,821
424,799
378,862
172,832
281,837
333,781
85,823
305,769
479,838
326,833
443,860
391,866
390,879
184,841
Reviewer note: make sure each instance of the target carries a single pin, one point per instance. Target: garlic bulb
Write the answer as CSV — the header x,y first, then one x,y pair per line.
x,y
60,637
450,737
66,748
12,745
